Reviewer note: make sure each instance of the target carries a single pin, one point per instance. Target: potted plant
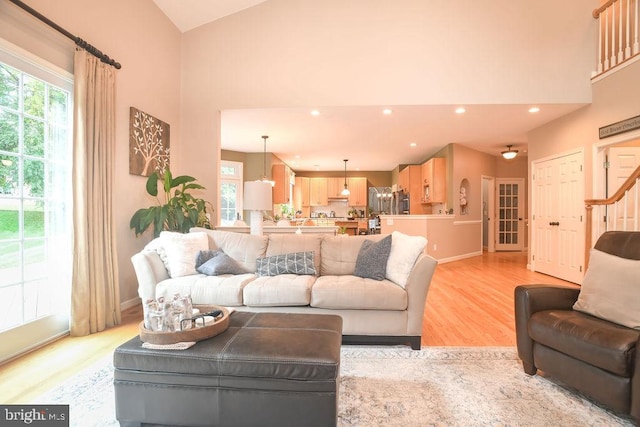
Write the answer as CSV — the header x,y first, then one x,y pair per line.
x,y
180,210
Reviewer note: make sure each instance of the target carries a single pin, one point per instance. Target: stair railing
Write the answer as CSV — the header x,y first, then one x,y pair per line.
x,y
618,212
619,39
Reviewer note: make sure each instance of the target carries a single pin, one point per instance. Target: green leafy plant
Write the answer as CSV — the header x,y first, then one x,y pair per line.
x,y
180,210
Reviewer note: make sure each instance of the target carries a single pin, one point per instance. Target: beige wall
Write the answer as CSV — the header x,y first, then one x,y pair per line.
x,y
147,45
287,53
615,98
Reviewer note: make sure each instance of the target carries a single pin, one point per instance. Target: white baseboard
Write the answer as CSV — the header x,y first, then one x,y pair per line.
x,y
459,257
130,303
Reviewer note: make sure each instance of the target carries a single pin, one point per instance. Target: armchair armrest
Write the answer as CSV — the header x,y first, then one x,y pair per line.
x,y
530,299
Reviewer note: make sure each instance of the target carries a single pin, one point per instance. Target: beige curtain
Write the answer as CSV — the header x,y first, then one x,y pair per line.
x,y
95,297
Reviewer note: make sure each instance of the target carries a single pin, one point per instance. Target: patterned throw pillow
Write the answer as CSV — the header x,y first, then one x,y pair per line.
x,y
291,263
372,259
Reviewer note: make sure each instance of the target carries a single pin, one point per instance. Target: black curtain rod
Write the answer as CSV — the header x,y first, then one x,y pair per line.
x,y
77,40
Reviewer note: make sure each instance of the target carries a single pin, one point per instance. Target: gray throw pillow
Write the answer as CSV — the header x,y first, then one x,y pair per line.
x,y
372,259
220,264
291,263
204,256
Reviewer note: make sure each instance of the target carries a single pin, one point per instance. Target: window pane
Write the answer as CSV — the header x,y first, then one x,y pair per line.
x,y
8,131
33,96
33,178
9,83
8,176
33,137
58,106
11,298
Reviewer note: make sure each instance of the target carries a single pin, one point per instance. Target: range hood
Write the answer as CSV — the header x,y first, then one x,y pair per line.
x,y
340,197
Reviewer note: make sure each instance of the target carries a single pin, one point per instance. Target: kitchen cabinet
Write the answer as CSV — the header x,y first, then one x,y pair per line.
x,y
358,191
434,178
301,193
410,181
335,186
318,192
281,175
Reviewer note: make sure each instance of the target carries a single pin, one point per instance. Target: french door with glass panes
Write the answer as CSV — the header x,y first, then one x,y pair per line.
x,y
509,209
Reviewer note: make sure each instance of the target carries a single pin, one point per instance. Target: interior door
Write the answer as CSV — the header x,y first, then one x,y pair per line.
x,y
558,206
621,163
510,210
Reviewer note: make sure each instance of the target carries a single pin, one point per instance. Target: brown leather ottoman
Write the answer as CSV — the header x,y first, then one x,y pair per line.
x,y
266,369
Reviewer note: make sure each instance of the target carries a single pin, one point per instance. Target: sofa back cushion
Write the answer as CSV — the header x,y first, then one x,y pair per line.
x,y
243,248
339,253
280,244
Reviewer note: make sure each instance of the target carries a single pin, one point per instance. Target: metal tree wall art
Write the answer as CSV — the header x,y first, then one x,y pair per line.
x,y
148,144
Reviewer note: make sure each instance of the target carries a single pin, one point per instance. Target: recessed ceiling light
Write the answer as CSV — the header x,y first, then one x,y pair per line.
x,y
460,110
387,111
534,109
297,156
413,144
315,112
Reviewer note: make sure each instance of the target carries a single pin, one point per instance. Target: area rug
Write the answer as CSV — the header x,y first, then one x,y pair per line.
x,y
397,386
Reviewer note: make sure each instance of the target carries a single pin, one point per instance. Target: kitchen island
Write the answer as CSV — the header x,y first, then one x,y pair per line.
x,y
449,237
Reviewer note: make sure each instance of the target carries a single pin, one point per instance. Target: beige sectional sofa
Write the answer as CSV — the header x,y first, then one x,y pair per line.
x,y
271,273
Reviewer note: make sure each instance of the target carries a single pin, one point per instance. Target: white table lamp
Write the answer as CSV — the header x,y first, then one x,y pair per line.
x,y
257,198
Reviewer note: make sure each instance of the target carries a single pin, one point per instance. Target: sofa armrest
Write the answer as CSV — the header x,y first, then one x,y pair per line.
x,y
150,271
417,287
635,387
530,299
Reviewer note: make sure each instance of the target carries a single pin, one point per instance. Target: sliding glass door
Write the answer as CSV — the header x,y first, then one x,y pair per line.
x,y
35,201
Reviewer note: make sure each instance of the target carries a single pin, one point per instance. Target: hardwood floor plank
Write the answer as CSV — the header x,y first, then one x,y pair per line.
x,y
470,303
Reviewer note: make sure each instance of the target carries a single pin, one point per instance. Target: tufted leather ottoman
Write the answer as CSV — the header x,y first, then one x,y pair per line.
x,y
266,369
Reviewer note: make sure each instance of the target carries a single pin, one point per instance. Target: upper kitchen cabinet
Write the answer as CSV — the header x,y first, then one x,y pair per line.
x,y
434,178
357,191
318,192
335,186
410,182
281,175
301,193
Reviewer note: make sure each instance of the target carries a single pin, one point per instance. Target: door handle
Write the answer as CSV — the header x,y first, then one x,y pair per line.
x,y
555,223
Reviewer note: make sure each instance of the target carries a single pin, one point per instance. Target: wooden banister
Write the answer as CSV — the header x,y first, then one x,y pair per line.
x,y
590,203
598,11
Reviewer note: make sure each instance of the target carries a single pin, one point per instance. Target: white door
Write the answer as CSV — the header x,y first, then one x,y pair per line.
x,y
510,209
558,209
621,163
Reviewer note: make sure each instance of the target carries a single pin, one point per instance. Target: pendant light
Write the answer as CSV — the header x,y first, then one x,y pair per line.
x,y
346,191
509,154
264,160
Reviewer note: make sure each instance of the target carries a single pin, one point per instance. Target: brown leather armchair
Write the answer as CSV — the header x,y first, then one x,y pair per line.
x,y
596,357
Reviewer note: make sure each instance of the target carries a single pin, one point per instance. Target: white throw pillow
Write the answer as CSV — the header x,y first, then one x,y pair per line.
x,y
611,289
182,250
405,250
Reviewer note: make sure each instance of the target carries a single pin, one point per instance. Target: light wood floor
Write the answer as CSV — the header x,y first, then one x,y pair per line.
x,y
470,303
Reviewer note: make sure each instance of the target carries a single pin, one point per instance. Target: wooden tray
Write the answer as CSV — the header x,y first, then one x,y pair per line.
x,y
194,334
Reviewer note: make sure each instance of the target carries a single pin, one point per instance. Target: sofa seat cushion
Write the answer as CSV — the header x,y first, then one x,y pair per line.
x,y
219,290
280,290
352,292
603,344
